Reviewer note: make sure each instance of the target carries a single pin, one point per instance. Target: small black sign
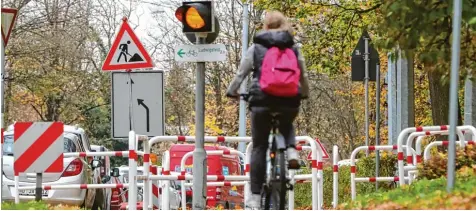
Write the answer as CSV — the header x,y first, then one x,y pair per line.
x,y
358,62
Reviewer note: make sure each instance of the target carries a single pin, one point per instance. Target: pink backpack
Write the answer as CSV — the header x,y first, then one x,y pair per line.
x,y
280,73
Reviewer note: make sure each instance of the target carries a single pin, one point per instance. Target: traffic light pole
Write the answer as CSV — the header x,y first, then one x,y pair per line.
x,y
199,154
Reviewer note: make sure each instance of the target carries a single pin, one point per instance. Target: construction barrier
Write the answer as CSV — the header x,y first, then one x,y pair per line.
x,y
132,165
316,157
401,136
353,168
335,178
178,139
155,196
152,196
426,154
293,179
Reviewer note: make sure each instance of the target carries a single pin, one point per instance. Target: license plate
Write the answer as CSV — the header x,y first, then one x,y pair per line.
x,y
31,192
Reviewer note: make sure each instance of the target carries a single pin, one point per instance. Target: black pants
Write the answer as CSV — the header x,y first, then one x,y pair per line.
x,y
260,130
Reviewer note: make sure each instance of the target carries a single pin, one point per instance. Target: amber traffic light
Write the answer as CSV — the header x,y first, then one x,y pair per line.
x,y
196,16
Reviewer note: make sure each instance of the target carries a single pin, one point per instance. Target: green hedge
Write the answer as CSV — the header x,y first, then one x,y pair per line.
x,y
365,168
423,194
30,205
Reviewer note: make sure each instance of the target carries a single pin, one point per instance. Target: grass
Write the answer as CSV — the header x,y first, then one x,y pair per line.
x,y
423,194
33,205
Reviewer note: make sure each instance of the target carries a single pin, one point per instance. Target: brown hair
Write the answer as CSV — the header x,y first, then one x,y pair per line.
x,y
275,20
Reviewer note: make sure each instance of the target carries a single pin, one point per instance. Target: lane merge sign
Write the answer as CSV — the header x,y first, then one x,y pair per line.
x,y
200,53
147,117
127,52
38,147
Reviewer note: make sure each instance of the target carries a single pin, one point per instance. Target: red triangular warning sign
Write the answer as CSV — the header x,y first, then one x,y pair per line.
x,y
325,155
8,20
127,52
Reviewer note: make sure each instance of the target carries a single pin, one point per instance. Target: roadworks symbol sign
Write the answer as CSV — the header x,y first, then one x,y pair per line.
x,y
127,52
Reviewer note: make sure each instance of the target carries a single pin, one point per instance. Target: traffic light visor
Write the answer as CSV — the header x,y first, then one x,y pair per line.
x,y
193,18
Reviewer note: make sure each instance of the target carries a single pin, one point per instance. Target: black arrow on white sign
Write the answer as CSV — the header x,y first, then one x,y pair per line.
x,y
141,102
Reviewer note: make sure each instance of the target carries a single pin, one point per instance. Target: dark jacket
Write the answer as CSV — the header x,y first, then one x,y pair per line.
x,y
252,63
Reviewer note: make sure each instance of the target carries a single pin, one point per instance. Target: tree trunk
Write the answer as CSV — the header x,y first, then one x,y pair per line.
x,y
439,98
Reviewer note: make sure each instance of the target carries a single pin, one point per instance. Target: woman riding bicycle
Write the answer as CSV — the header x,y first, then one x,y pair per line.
x,y
277,33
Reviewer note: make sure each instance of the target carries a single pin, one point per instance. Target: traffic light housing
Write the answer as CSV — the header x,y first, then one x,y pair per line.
x,y
198,17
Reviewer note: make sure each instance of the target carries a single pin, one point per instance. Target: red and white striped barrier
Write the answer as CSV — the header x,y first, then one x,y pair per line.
x,y
132,154
427,154
220,184
353,168
165,191
293,181
78,186
209,152
401,136
178,139
92,154
420,135
190,177
155,196
335,178
418,145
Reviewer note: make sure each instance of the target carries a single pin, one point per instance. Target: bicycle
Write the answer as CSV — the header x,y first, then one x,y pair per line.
x,y
273,194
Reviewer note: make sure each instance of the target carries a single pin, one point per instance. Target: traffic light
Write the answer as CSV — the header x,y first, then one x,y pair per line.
x,y
198,17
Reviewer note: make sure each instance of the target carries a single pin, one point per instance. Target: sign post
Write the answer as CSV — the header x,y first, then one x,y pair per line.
x,y
8,21
198,18
128,53
367,68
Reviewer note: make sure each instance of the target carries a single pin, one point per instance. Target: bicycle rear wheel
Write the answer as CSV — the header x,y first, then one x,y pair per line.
x,y
282,180
279,183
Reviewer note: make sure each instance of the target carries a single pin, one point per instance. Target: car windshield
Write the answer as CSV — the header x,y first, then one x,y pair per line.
x,y
7,148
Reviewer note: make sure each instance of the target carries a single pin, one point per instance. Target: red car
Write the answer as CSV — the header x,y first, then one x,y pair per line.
x,y
229,197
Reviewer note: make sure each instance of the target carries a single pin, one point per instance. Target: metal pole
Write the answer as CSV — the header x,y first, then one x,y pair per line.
x,y
131,119
392,101
132,195
366,81
455,59
244,48
377,124
2,67
469,104
199,154
39,189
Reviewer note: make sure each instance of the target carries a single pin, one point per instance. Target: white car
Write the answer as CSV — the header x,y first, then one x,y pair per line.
x,y
76,171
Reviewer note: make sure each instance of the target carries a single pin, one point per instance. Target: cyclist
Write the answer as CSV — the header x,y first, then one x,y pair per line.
x,y
277,33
